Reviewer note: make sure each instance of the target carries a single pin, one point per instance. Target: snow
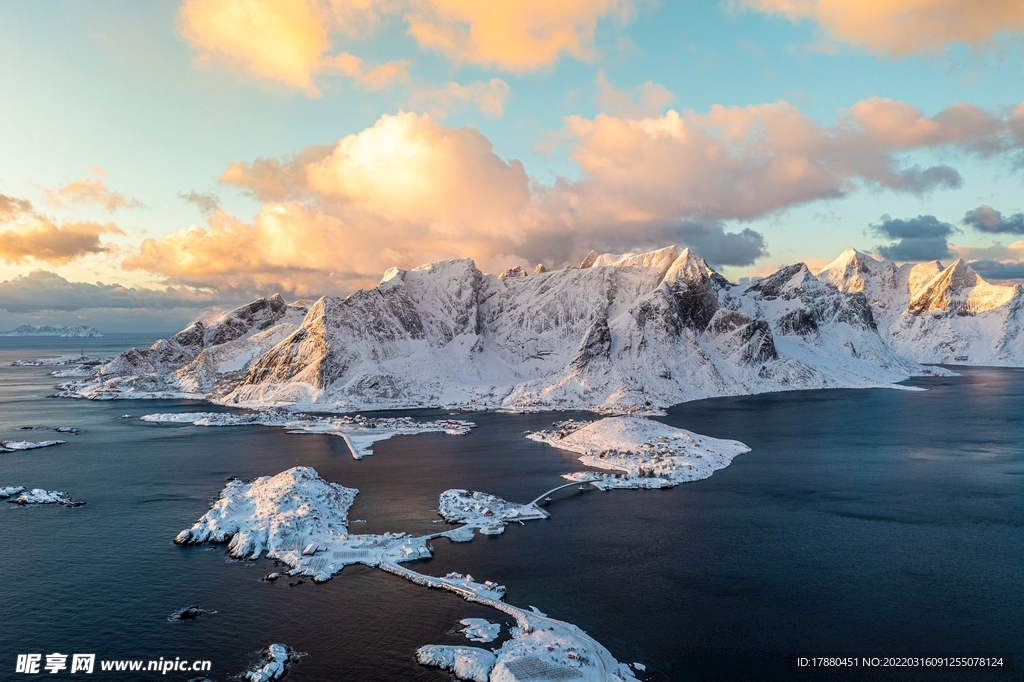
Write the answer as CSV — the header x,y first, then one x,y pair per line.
x,y
649,453
61,361
628,333
29,445
480,629
360,433
480,510
465,662
936,314
40,496
78,331
302,520
276,658
11,491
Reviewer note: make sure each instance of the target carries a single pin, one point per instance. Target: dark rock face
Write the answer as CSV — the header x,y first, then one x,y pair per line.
x,y
779,283
799,322
596,345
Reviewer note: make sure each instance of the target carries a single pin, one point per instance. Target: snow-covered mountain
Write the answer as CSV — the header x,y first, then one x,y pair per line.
x,y
203,360
76,331
620,332
936,314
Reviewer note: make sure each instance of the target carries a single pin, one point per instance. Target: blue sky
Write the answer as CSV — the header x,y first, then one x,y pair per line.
x,y
155,100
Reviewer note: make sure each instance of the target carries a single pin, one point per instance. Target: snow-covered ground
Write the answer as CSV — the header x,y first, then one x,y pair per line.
x,y
465,662
480,629
484,511
360,433
648,454
25,497
10,445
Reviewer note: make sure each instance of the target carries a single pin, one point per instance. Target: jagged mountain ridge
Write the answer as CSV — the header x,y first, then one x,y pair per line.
x,y
634,331
934,313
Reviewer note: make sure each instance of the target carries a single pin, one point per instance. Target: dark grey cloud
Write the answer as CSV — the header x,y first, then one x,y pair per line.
x,y
921,238
710,241
993,269
206,202
47,291
988,219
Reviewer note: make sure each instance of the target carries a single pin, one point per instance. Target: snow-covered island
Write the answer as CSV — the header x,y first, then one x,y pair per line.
x,y
71,331
302,520
359,433
24,497
647,453
273,664
12,445
630,333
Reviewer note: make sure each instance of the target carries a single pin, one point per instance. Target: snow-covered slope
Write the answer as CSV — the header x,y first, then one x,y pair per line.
x,y
621,332
204,360
936,314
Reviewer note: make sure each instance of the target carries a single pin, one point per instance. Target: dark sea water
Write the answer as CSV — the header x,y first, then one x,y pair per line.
x,y
870,522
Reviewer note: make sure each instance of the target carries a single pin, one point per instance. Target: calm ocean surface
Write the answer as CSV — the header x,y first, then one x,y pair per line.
x,y
873,522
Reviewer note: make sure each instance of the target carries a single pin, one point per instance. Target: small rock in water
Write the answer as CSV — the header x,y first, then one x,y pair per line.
x,y
187,613
68,429
271,577
276,659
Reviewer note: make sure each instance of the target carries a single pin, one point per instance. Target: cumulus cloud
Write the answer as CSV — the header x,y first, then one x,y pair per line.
x,y
921,238
275,179
901,27
489,97
404,191
290,41
648,99
89,191
988,219
513,36
44,240
287,41
409,190
206,202
746,162
46,291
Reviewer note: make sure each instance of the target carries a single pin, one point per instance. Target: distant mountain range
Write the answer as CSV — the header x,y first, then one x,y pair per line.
x,y
633,332
49,330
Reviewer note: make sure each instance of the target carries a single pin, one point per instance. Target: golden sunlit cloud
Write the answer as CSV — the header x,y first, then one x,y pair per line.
x,y
901,27
43,240
514,36
89,191
405,190
290,41
409,190
489,97
286,41
13,207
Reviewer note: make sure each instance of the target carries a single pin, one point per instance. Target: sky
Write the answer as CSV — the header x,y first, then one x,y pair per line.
x,y
162,159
